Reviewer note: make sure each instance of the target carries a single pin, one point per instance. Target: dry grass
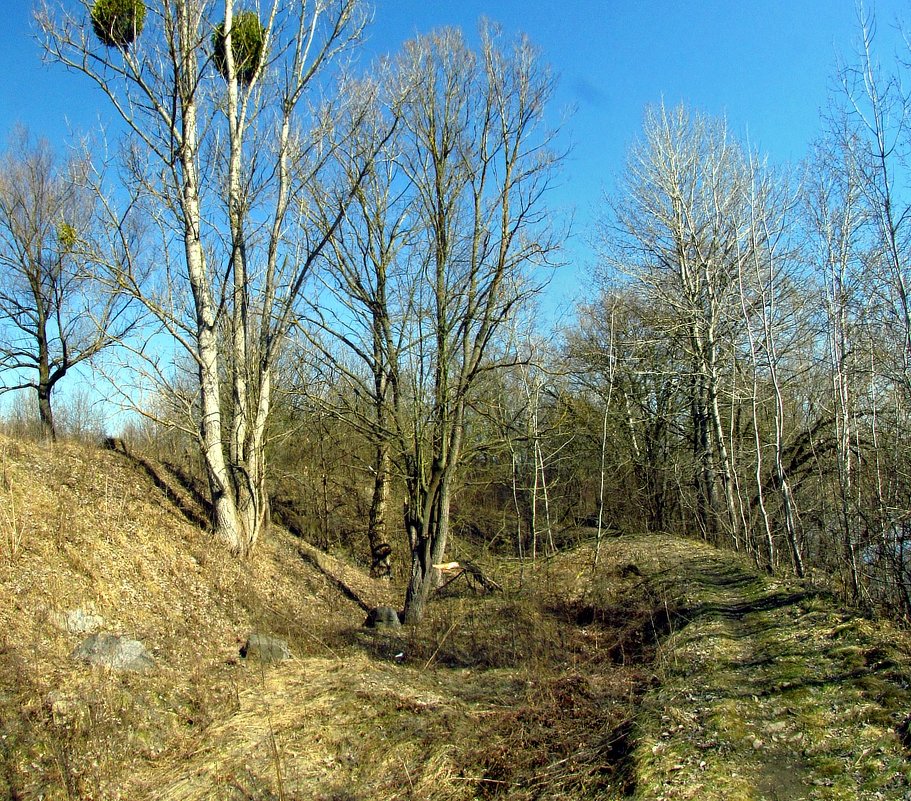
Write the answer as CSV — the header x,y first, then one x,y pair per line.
x,y
93,533
648,677
517,696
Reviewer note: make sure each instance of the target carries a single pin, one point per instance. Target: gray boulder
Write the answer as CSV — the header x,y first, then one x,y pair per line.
x,y
383,617
114,652
265,648
77,621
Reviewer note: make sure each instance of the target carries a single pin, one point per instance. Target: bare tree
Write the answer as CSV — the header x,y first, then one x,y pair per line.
x,y
368,292
434,259
681,230
53,316
770,322
478,155
859,222
224,154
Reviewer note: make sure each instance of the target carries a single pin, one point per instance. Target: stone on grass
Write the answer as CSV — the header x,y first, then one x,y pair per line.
x,y
265,648
66,710
77,621
114,652
383,617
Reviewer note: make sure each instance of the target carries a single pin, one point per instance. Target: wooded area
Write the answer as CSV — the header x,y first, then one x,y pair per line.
x,y
318,290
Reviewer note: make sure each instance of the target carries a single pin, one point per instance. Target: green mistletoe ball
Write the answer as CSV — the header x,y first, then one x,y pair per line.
x,y
117,23
248,40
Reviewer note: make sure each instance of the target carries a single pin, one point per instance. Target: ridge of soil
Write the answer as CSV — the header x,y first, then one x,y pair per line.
x,y
767,691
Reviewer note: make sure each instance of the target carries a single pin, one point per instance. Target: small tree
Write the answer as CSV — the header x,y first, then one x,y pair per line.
x,y
53,316
477,152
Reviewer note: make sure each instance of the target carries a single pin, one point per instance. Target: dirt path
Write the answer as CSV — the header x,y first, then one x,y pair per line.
x,y
767,691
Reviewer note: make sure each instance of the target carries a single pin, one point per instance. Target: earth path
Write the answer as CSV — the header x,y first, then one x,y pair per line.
x,y
767,690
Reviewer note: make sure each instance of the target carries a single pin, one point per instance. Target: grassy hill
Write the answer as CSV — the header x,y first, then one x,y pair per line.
x,y
669,670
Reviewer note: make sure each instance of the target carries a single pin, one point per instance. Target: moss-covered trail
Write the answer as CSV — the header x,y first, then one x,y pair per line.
x,y
767,692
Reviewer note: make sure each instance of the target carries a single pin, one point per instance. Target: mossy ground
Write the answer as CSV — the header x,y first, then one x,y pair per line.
x,y
768,692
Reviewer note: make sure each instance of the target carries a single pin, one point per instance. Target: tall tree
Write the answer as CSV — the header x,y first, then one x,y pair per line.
x,y
53,317
435,258
478,155
224,153
366,299
681,230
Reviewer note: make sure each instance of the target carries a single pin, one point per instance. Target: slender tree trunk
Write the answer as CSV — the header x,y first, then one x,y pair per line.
x,y
224,510
724,462
428,539
377,526
45,412
704,479
427,521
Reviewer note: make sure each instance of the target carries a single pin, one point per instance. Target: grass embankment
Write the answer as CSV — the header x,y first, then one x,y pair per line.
x,y
669,671
767,690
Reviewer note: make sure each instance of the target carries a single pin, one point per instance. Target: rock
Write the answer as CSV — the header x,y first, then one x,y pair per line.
x,y
77,621
115,653
67,711
265,648
383,617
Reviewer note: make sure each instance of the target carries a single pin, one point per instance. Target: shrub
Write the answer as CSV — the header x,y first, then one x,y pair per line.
x,y
117,23
248,38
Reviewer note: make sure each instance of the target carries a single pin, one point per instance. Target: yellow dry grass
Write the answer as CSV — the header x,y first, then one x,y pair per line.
x,y
490,698
93,533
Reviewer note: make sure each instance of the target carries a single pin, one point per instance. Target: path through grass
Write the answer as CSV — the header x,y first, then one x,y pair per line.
x,y
767,691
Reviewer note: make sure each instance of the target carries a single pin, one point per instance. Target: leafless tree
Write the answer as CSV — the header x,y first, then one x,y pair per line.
x,y
368,292
435,258
224,155
681,229
53,316
480,160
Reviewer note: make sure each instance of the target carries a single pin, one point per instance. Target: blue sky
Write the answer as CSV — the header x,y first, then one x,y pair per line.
x,y
766,65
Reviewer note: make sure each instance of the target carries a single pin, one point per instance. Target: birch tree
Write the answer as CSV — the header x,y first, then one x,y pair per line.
x,y
681,229
223,151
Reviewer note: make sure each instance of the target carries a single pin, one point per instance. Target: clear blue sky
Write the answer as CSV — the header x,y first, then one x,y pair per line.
x,y
766,65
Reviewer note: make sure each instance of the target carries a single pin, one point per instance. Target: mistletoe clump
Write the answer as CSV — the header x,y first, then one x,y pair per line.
x,y
117,23
248,40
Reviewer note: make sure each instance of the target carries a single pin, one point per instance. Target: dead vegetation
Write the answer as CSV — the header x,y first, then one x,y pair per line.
x,y
571,682
508,694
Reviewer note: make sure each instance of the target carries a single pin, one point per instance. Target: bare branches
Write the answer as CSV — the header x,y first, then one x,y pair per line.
x,y
53,315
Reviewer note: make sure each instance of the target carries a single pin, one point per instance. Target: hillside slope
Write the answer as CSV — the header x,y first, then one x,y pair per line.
x,y
669,670
85,530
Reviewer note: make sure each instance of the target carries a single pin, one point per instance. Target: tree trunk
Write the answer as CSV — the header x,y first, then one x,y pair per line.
x,y
377,527
717,430
428,538
704,479
46,413
225,521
